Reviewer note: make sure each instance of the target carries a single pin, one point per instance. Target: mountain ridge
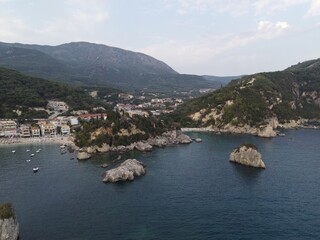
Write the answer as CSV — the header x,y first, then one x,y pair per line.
x,y
97,64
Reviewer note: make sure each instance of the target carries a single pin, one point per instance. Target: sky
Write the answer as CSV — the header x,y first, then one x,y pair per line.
x,y
204,37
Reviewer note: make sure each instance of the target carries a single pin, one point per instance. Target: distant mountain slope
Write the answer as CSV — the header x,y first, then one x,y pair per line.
x,y
96,64
257,99
221,79
21,92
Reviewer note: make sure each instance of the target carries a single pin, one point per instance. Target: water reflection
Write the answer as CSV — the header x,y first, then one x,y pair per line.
x,y
246,174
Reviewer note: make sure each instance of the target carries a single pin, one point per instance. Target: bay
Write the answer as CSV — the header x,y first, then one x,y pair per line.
x,y
189,192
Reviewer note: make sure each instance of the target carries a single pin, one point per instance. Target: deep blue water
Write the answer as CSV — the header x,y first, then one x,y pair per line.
x,y
189,192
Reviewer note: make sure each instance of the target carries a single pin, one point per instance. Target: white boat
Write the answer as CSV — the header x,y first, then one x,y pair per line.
x,y
28,150
38,151
32,154
13,151
28,160
35,169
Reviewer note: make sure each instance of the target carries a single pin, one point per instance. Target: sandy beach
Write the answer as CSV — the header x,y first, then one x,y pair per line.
x,y
35,140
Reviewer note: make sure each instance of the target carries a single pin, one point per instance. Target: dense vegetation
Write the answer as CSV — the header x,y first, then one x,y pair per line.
x,y
111,130
288,94
18,91
6,211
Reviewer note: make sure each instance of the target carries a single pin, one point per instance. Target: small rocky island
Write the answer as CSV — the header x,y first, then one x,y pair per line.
x,y
248,155
9,227
127,171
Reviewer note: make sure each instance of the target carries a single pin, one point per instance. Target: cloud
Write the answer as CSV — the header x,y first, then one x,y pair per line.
x,y
192,53
314,9
235,8
71,20
269,29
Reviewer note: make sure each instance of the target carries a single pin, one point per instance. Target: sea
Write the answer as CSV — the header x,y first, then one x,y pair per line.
x,y
189,192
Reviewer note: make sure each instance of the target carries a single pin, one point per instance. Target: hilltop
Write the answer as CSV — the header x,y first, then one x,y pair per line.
x,y
258,103
92,64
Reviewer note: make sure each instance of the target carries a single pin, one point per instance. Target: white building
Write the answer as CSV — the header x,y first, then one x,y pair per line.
x,y
57,106
25,131
65,130
8,128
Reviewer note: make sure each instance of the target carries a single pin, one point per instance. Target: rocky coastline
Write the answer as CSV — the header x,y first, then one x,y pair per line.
x,y
166,139
270,129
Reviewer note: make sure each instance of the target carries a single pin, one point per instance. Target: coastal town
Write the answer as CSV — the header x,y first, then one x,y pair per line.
x,y
63,121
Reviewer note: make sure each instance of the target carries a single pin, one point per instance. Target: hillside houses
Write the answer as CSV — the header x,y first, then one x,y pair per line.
x,y
57,106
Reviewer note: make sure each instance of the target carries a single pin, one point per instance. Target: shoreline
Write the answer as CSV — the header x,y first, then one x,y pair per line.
x,y
34,140
225,131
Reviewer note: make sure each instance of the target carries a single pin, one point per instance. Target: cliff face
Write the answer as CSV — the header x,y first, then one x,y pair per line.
x,y
248,156
9,229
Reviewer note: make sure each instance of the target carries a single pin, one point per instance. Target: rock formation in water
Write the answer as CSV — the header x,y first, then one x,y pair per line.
x,y
125,172
166,139
82,155
9,227
248,155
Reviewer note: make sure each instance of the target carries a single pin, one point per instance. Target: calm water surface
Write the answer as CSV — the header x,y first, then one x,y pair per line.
x,y
189,192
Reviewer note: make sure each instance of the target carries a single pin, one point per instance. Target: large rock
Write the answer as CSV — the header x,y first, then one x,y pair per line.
x,y
91,150
104,148
82,155
159,141
183,138
143,146
9,227
125,172
267,132
247,155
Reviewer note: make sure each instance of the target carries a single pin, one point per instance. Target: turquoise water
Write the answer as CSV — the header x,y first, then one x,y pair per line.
x,y
189,192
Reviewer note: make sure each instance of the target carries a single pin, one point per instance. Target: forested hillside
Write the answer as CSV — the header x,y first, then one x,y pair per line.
x,y
287,95
24,93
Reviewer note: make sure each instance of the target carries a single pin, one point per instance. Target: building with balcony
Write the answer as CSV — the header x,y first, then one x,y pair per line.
x,y
8,128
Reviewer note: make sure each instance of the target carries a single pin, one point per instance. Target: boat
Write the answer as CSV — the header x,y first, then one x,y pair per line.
x,y
28,160
13,151
38,151
35,169
281,134
32,154
28,150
